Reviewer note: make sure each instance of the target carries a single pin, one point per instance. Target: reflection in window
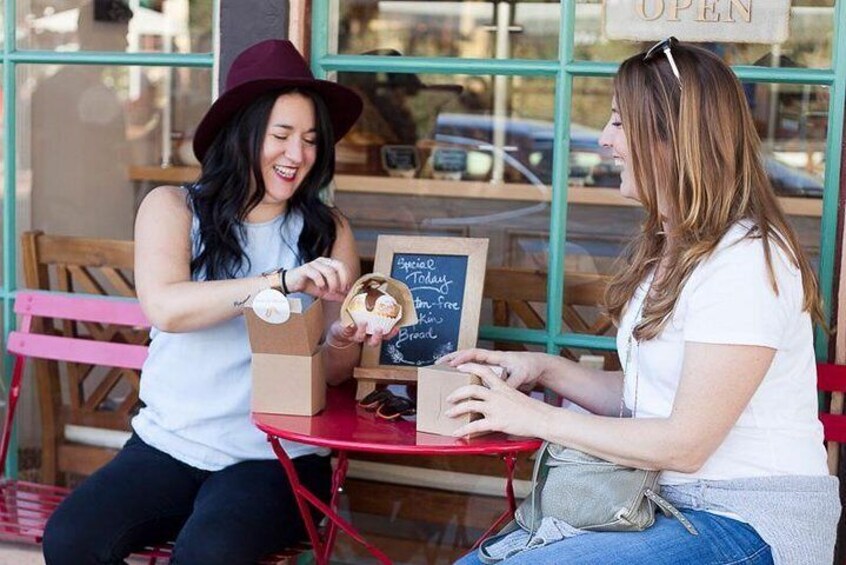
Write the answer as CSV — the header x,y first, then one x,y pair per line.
x,y
117,117
470,29
179,26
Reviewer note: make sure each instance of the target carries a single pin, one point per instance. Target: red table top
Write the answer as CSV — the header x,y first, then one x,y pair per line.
x,y
344,425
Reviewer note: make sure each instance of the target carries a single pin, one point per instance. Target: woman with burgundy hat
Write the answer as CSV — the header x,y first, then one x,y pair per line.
x,y
196,470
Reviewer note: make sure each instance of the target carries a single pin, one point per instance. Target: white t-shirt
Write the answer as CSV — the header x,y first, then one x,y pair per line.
x,y
729,300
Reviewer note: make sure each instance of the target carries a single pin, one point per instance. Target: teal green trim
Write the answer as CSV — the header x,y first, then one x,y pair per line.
x,y
560,174
437,65
833,164
319,37
540,337
782,75
499,333
9,210
125,59
586,341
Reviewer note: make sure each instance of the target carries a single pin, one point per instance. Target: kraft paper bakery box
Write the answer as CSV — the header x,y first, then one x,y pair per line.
x,y
287,367
434,384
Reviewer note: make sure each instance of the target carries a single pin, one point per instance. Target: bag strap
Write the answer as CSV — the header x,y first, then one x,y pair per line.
x,y
670,510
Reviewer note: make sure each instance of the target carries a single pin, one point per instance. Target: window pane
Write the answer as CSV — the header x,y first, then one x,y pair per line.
x,y
454,155
76,181
809,44
502,30
179,26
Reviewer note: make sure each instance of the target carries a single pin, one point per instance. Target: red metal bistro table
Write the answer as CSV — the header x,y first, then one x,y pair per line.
x,y
342,426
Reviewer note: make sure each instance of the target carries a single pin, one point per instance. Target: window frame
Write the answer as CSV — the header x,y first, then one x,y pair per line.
x,y
563,71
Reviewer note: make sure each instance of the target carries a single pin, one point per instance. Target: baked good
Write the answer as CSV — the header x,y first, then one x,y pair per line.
x,y
375,308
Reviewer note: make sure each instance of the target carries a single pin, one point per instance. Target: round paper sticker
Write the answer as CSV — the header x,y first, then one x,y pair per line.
x,y
272,306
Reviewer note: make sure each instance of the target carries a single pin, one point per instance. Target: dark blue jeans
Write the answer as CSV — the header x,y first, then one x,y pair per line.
x,y
144,496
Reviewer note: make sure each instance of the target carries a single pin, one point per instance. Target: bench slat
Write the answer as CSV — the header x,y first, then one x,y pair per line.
x,y
77,350
102,310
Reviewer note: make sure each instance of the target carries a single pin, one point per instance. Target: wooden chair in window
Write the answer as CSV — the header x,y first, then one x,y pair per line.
x,y
97,399
520,295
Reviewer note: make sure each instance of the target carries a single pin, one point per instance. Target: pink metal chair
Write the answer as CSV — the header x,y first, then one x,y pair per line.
x,y
25,507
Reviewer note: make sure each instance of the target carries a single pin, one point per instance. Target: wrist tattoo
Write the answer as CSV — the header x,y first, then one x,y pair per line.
x,y
242,303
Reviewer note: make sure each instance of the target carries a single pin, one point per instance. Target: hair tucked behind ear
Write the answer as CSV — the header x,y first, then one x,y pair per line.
x,y
222,197
694,149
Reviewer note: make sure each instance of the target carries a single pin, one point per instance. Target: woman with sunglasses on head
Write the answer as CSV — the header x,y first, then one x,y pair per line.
x,y
195,469
714,304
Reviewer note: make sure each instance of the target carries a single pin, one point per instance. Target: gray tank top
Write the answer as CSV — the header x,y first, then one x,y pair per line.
x,y
196,385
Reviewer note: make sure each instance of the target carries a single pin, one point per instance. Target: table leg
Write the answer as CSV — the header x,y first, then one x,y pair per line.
x,y
304,497
510,460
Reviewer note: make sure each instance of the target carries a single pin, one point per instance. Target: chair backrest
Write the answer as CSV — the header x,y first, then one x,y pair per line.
x,y
832,379
520,295
92,398
831,382
30,341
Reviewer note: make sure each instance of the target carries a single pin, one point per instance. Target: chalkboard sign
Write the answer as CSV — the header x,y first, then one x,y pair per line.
x,y
437,284
445,276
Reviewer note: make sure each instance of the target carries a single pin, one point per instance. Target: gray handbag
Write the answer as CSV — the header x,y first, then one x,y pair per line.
x,y
592,494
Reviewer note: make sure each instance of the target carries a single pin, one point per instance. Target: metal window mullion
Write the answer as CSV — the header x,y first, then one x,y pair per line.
x,y
9,209
781,75
436,65
319,36
560,176
203,60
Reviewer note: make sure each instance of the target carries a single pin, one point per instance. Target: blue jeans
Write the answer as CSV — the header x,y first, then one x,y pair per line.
x,y
145,496
721,541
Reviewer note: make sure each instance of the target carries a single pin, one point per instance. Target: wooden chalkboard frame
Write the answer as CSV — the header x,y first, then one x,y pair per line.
x,y
476,251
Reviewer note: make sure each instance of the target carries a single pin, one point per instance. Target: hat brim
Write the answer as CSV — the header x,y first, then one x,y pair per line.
x,y
344,107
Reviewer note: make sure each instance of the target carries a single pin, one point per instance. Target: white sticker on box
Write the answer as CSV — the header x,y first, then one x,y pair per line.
x,y
272,306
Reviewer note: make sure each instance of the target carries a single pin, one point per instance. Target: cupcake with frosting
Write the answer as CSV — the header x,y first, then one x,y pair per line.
x,y
375,308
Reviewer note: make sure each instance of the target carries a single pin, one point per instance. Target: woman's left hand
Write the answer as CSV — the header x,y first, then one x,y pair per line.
x,y
341,337
505,409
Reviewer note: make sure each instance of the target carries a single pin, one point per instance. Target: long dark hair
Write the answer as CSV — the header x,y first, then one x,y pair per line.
x,y
221,198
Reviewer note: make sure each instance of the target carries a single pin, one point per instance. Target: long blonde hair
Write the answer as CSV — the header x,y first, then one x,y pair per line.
x,y
694,149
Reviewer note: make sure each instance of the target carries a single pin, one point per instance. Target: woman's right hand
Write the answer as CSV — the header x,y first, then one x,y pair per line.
x,y
521,369
324,278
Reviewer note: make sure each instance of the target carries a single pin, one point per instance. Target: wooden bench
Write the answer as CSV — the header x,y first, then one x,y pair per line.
x,y
25,507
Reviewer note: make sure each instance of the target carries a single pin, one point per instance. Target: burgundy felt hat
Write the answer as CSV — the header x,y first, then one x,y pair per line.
x,y
264,67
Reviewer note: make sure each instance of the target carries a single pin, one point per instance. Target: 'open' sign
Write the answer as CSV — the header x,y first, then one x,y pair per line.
x,y
727,21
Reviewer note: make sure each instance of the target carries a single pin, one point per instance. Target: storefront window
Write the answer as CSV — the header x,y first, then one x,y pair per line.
x,y
116,117
178,26
809,44
471,29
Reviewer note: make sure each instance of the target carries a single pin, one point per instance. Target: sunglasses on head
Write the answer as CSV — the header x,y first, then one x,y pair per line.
x,y
664,46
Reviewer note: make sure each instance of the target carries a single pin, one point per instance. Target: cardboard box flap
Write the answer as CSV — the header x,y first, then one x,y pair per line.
x,y
399,291
300,335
